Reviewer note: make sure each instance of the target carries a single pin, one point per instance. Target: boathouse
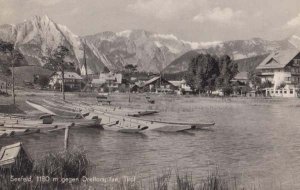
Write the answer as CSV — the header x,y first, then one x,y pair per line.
x,y
14,160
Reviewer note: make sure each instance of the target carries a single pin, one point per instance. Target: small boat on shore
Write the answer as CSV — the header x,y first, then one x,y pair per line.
x,y
56,110
118,128
17,132
191,124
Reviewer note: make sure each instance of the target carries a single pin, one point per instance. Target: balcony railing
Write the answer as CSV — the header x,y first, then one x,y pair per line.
x,y
266,73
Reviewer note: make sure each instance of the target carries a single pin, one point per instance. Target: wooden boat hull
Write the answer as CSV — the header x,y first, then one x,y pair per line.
x,y
53,110
124,130
190,124
17,132
82,123
21,126
202,125
142,113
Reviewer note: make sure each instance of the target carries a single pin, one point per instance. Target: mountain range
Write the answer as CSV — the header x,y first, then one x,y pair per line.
x,y
36,37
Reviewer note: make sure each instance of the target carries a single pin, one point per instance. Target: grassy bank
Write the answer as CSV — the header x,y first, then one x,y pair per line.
x,y
52,171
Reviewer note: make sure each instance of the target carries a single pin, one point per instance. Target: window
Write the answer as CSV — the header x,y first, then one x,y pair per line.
x,y
272,92
291,91
285,91
296,62
276,91
280,92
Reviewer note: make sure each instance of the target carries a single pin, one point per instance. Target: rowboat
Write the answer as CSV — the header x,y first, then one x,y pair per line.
x,y
110,115
191,124
17,132
22,126
56,111
123,111
83,123
129,122
119,128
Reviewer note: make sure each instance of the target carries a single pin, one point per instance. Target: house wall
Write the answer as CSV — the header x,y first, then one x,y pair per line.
x,y
280,77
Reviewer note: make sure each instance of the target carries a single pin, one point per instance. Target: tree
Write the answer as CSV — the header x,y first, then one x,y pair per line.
x,y
43,81
56,62
129,70
202,73
254,80
228,69
268,84
15,59
281,85
6,72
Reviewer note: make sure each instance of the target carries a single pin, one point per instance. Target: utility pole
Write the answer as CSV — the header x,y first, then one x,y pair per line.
x,y
13,82
13,73
129,93
63,83
84,59
66,140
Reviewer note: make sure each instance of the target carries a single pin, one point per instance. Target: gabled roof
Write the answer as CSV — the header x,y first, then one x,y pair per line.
x,y
278,59
151,80
9,154
69,75
145,83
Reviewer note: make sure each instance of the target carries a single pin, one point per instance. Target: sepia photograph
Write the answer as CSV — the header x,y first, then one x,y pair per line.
x,y
149,95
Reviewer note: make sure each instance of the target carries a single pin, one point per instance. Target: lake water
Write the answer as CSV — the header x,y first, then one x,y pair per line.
x,y
255,140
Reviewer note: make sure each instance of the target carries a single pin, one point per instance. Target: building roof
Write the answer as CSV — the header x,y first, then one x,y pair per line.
x,y
145,83
9,154
69,75
241,76
278,59
177,83
151,80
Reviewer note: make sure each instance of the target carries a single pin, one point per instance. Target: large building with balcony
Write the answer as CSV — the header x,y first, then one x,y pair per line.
x,y
282,69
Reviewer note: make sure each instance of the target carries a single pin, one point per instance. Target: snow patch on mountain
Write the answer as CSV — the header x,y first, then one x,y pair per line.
x,y
125,33
165,36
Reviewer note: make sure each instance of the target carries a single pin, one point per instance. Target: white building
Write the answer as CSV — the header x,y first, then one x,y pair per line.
x,y
182,86
112,80
73,81
282,69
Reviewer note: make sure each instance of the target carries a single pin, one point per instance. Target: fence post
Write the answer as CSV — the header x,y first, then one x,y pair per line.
x,y
66,142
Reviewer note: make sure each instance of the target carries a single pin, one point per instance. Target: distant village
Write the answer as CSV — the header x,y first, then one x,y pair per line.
x,y
278,75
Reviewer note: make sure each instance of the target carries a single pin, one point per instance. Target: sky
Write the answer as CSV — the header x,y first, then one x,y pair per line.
x,y
191,20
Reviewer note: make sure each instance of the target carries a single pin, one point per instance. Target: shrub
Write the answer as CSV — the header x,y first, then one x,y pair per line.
x,y
70,164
